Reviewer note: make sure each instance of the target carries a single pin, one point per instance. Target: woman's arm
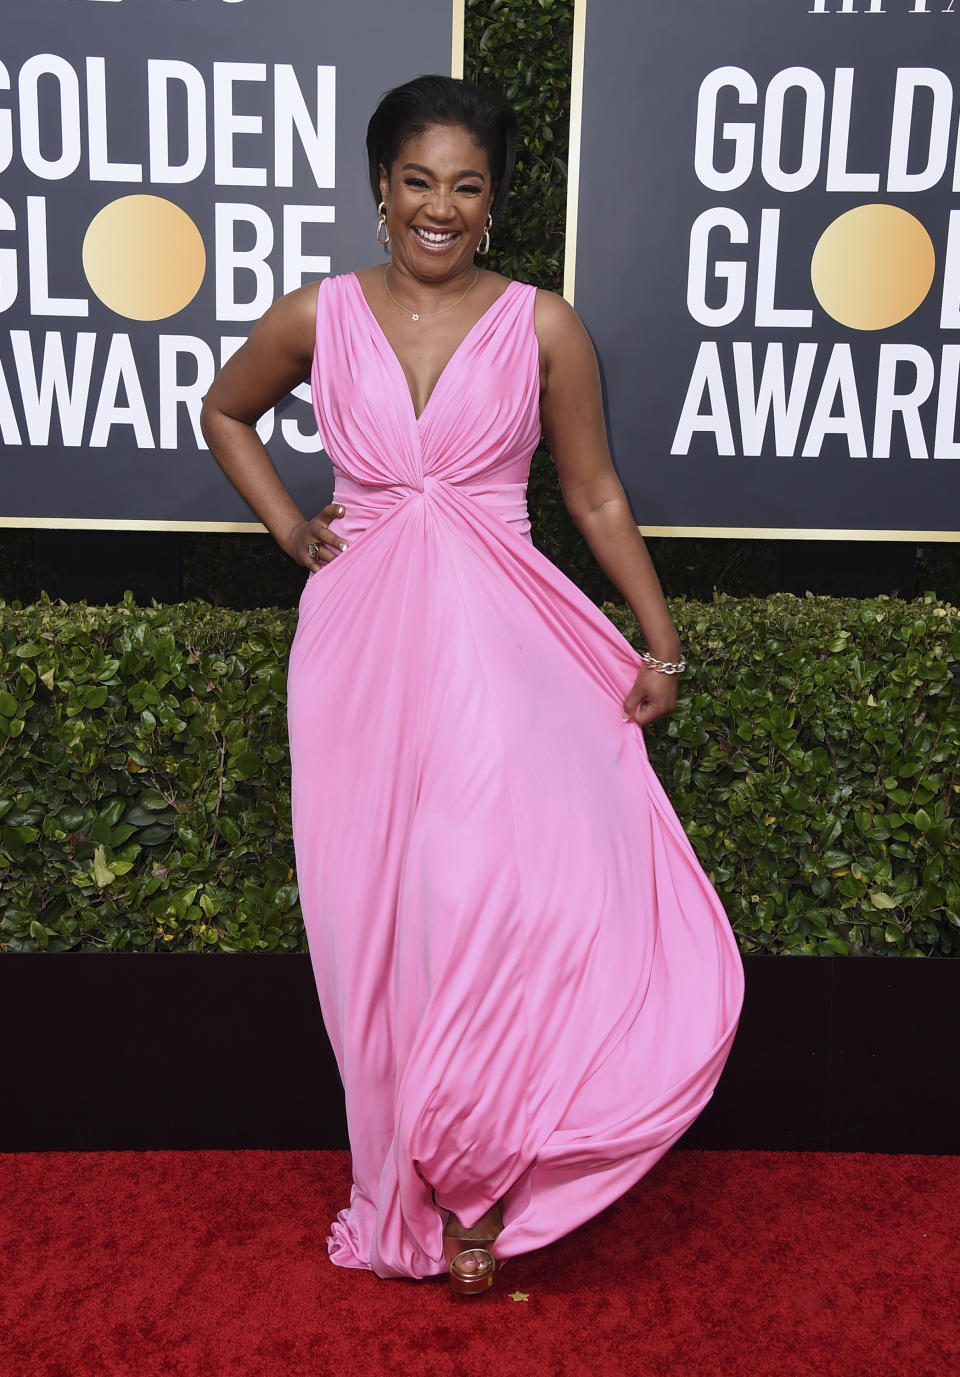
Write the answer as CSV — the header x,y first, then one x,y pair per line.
x,y
572,411
274,359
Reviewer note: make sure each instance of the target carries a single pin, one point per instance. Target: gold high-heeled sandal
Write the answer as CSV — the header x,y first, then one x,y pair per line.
x,y
481,1271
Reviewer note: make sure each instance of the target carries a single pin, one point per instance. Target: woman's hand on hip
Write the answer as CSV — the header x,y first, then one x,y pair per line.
x,y
653,695
312,543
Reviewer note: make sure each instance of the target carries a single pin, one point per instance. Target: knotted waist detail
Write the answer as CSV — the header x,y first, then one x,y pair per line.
x,y
365,502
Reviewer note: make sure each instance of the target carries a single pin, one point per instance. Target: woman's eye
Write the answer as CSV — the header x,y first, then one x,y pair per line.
x,y
417,183
468,186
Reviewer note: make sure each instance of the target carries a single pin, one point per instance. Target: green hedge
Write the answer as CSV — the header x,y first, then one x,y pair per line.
x,y
143,775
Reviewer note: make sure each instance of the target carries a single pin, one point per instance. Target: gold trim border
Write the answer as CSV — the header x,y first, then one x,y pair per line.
x,y
458,53
573,152
796,533
77,523
96,523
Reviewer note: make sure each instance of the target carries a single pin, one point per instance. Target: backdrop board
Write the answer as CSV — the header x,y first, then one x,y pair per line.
x,y
764,242
167,169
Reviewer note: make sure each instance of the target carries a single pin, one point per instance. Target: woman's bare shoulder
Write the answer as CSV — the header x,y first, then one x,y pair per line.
x,y
291,322
298,306
554,316
367,277
560,331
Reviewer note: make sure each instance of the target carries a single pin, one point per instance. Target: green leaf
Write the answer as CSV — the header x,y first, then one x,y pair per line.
x,y
245,764
102,873
153,836
229,830
93,696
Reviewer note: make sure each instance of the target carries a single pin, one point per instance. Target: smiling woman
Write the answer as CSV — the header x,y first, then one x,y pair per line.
x,y
436,207
527,978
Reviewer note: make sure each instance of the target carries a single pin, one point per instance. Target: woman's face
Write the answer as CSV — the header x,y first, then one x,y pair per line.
x,y
437,193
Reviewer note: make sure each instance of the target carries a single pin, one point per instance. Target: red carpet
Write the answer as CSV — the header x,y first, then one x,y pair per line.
x,y
723,1264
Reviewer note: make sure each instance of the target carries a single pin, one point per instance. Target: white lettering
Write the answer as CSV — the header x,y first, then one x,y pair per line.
x,y
838,178
756,403
297,264
742,136
908,404
706,378
946,445
9,430
121,370
41,302
317,140
68,91
55,384
767,313
230,261
839,379
101,168
734,272
6,124
9,277
910,80
227,125
174,393
950,302
160,74
807,81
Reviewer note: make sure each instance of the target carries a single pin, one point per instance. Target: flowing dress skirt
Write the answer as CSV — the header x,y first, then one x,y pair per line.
x,y
527,979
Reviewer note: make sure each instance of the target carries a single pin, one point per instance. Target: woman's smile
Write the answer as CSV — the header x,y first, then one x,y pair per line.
x,y
435,240
437,194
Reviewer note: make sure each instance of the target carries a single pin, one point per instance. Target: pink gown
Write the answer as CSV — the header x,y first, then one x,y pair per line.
x,y
528,981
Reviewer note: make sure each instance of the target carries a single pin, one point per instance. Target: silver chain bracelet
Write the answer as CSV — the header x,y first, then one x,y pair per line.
x,y
664,666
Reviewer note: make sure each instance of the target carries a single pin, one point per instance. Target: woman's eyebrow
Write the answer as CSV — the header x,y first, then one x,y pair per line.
x,y
419,167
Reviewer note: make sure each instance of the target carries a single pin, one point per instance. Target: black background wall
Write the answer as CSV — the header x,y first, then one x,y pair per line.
x,y
186,1051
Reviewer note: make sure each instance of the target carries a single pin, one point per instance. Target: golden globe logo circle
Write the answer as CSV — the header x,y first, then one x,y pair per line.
x,y
872,267
144,257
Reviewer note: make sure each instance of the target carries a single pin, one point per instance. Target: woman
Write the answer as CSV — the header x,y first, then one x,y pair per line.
x,y
527,980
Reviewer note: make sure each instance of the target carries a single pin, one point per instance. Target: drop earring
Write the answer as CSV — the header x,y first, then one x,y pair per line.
x,y
382,224
483,248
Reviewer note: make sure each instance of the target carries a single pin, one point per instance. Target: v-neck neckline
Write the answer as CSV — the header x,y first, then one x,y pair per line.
x,y
396,357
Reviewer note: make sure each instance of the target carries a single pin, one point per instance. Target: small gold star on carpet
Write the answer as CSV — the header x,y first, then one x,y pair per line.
x,y
519,1296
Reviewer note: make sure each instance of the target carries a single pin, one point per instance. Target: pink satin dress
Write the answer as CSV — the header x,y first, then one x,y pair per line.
x,y
528,981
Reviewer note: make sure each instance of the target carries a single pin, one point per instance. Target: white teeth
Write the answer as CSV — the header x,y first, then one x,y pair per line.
x,y
434,236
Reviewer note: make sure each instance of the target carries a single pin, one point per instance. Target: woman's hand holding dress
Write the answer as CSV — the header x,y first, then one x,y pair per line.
x,y
653,695
572,410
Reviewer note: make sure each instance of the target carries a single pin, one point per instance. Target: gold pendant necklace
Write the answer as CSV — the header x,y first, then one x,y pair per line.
x,y
425,315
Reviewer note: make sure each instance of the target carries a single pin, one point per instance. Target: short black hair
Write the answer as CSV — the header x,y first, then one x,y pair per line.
x,y
417,105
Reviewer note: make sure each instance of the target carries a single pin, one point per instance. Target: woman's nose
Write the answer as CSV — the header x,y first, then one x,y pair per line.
x,y
441,203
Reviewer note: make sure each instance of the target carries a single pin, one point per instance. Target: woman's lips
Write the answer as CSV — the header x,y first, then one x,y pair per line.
x,y
435,240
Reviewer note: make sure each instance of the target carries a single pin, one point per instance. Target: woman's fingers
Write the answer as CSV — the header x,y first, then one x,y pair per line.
x,y
319,545
653,694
